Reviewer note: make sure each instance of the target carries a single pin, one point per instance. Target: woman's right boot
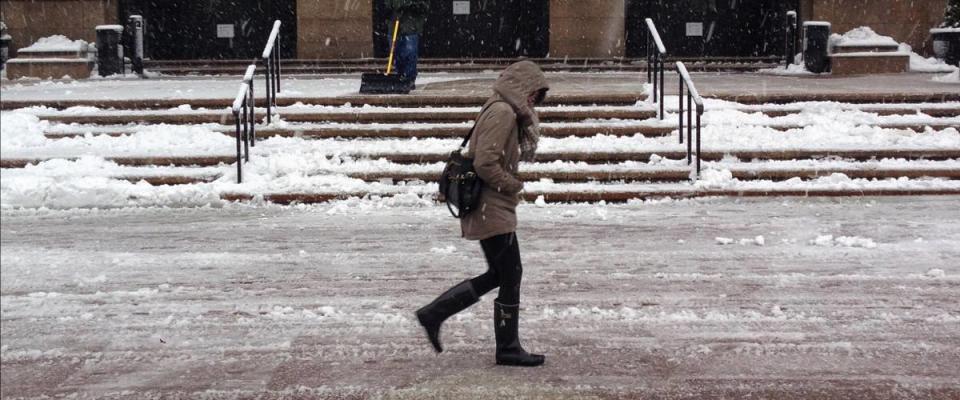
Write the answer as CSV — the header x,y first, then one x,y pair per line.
x,y
506,321
449,303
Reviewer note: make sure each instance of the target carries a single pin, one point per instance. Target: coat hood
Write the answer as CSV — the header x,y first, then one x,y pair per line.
x,y
516,82
514,85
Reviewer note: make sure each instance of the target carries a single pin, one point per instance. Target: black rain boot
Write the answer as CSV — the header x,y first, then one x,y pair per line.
x,y
506,321
452,301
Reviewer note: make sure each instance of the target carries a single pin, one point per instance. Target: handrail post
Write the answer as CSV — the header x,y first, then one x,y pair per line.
x,y
655,63
246,131
680,126
689,114
236,118
253,115
278,46
699,113
689,143
662,87
269,83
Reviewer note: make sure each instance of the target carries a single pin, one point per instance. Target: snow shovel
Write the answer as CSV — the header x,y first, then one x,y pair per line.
x,y
377,83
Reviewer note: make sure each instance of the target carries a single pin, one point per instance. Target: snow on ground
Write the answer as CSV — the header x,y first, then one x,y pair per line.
x,y
626,301
953,77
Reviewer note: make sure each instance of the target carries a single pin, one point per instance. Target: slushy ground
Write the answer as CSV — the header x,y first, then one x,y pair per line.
x,y
776,298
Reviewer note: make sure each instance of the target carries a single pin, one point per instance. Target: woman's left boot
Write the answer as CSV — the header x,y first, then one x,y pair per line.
x,y
506,321
454,300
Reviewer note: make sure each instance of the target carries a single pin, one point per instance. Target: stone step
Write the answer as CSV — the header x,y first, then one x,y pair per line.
x,y
649,174
678,174
415,99
438,115
452,68
502,61
422,115
621,196
708,155
177,161
403,132
587,157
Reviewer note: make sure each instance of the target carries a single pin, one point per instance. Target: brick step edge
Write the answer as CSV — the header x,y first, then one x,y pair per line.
x,y
860,155
226,118
550,157
416,99
618,197
683,174
673,175
444,132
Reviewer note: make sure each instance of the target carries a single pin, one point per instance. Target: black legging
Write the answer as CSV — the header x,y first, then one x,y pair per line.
x,y
503,259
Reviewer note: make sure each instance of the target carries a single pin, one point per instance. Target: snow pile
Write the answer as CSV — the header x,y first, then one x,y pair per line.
x,y
949,78
758,241
55,43
920,64
21,131
790,70
98,192
715,179
936,273
444,250
843,241
861,37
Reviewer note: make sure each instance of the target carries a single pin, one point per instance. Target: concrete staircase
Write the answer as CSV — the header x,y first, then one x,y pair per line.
x,y
595,147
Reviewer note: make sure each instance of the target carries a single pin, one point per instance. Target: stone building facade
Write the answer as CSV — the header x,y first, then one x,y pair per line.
x,y
342,29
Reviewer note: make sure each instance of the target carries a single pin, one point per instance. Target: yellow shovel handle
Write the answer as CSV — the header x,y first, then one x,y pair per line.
x,y
393,44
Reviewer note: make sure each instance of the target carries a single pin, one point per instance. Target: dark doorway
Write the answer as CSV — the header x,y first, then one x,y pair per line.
x,y
194,29
710,28
492,28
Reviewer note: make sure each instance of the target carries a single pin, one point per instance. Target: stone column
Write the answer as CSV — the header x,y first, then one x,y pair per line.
x,y
331,29
593,29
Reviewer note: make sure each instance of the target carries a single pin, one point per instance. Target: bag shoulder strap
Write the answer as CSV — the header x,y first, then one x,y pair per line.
x,y
483,110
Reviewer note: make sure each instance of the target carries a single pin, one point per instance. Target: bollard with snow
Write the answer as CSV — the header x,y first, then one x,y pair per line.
x,y
136,25
109,50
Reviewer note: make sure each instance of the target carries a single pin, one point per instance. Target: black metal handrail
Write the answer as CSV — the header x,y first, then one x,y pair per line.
x,y
693,96
790,45
655,60
271,60
244,117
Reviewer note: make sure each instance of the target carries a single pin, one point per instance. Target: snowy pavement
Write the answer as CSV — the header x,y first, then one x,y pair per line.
x,y
697,299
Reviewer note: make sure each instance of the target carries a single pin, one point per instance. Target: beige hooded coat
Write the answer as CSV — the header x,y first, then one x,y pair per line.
x,y
495,149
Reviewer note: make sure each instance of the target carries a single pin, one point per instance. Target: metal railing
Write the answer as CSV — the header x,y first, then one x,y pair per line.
x,y
271,60
693,96
244,118
790,39
655,59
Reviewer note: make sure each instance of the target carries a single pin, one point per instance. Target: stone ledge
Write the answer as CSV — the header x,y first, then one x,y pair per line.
x,y
865,63
48,68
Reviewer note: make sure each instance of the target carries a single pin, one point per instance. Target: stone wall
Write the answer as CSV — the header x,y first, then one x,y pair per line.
x,y
592,28
907,21
29,20
330,29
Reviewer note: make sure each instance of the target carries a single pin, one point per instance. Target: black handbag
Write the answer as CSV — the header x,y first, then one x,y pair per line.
x,y
460,185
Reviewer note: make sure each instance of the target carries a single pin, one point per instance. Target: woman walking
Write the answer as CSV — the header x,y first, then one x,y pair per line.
x,y
506,131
